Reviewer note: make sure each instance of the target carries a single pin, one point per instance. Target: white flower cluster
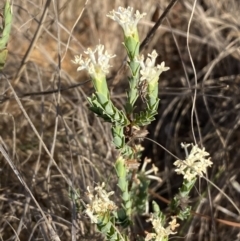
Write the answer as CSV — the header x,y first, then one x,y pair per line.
x,y
97,62
126,19
99,203
161,233
149,71
195,164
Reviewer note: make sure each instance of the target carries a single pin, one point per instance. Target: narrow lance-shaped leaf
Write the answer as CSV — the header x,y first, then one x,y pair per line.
x,y
3,57
7,22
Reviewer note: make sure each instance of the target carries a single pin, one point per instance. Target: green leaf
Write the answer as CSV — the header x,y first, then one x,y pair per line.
x,y
125,196
7,19
109,109
120,167
102,99
139,194
118,136
7,22
156,208
3,57
121,214
132,46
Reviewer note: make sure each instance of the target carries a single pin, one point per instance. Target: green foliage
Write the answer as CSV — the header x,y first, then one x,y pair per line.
x,y
5,33
108,229
123,183
74,195
144,118
105,109
118,136
180,203
132,47
3,57
139,193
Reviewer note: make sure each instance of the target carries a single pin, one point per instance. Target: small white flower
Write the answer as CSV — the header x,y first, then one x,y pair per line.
x,y
195,164
99,203
97,63
173,224
148,173
149,71
126,19
139,148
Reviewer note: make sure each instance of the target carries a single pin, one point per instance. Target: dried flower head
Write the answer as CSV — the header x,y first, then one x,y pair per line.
x,y
195,164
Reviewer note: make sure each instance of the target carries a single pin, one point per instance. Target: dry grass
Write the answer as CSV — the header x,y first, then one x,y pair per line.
x,y
75,147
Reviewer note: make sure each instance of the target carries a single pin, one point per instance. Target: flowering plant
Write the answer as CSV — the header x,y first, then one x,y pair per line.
x,y
114,220
194,165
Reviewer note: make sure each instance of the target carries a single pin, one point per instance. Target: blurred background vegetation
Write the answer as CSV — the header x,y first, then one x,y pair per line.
x,y
45,37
